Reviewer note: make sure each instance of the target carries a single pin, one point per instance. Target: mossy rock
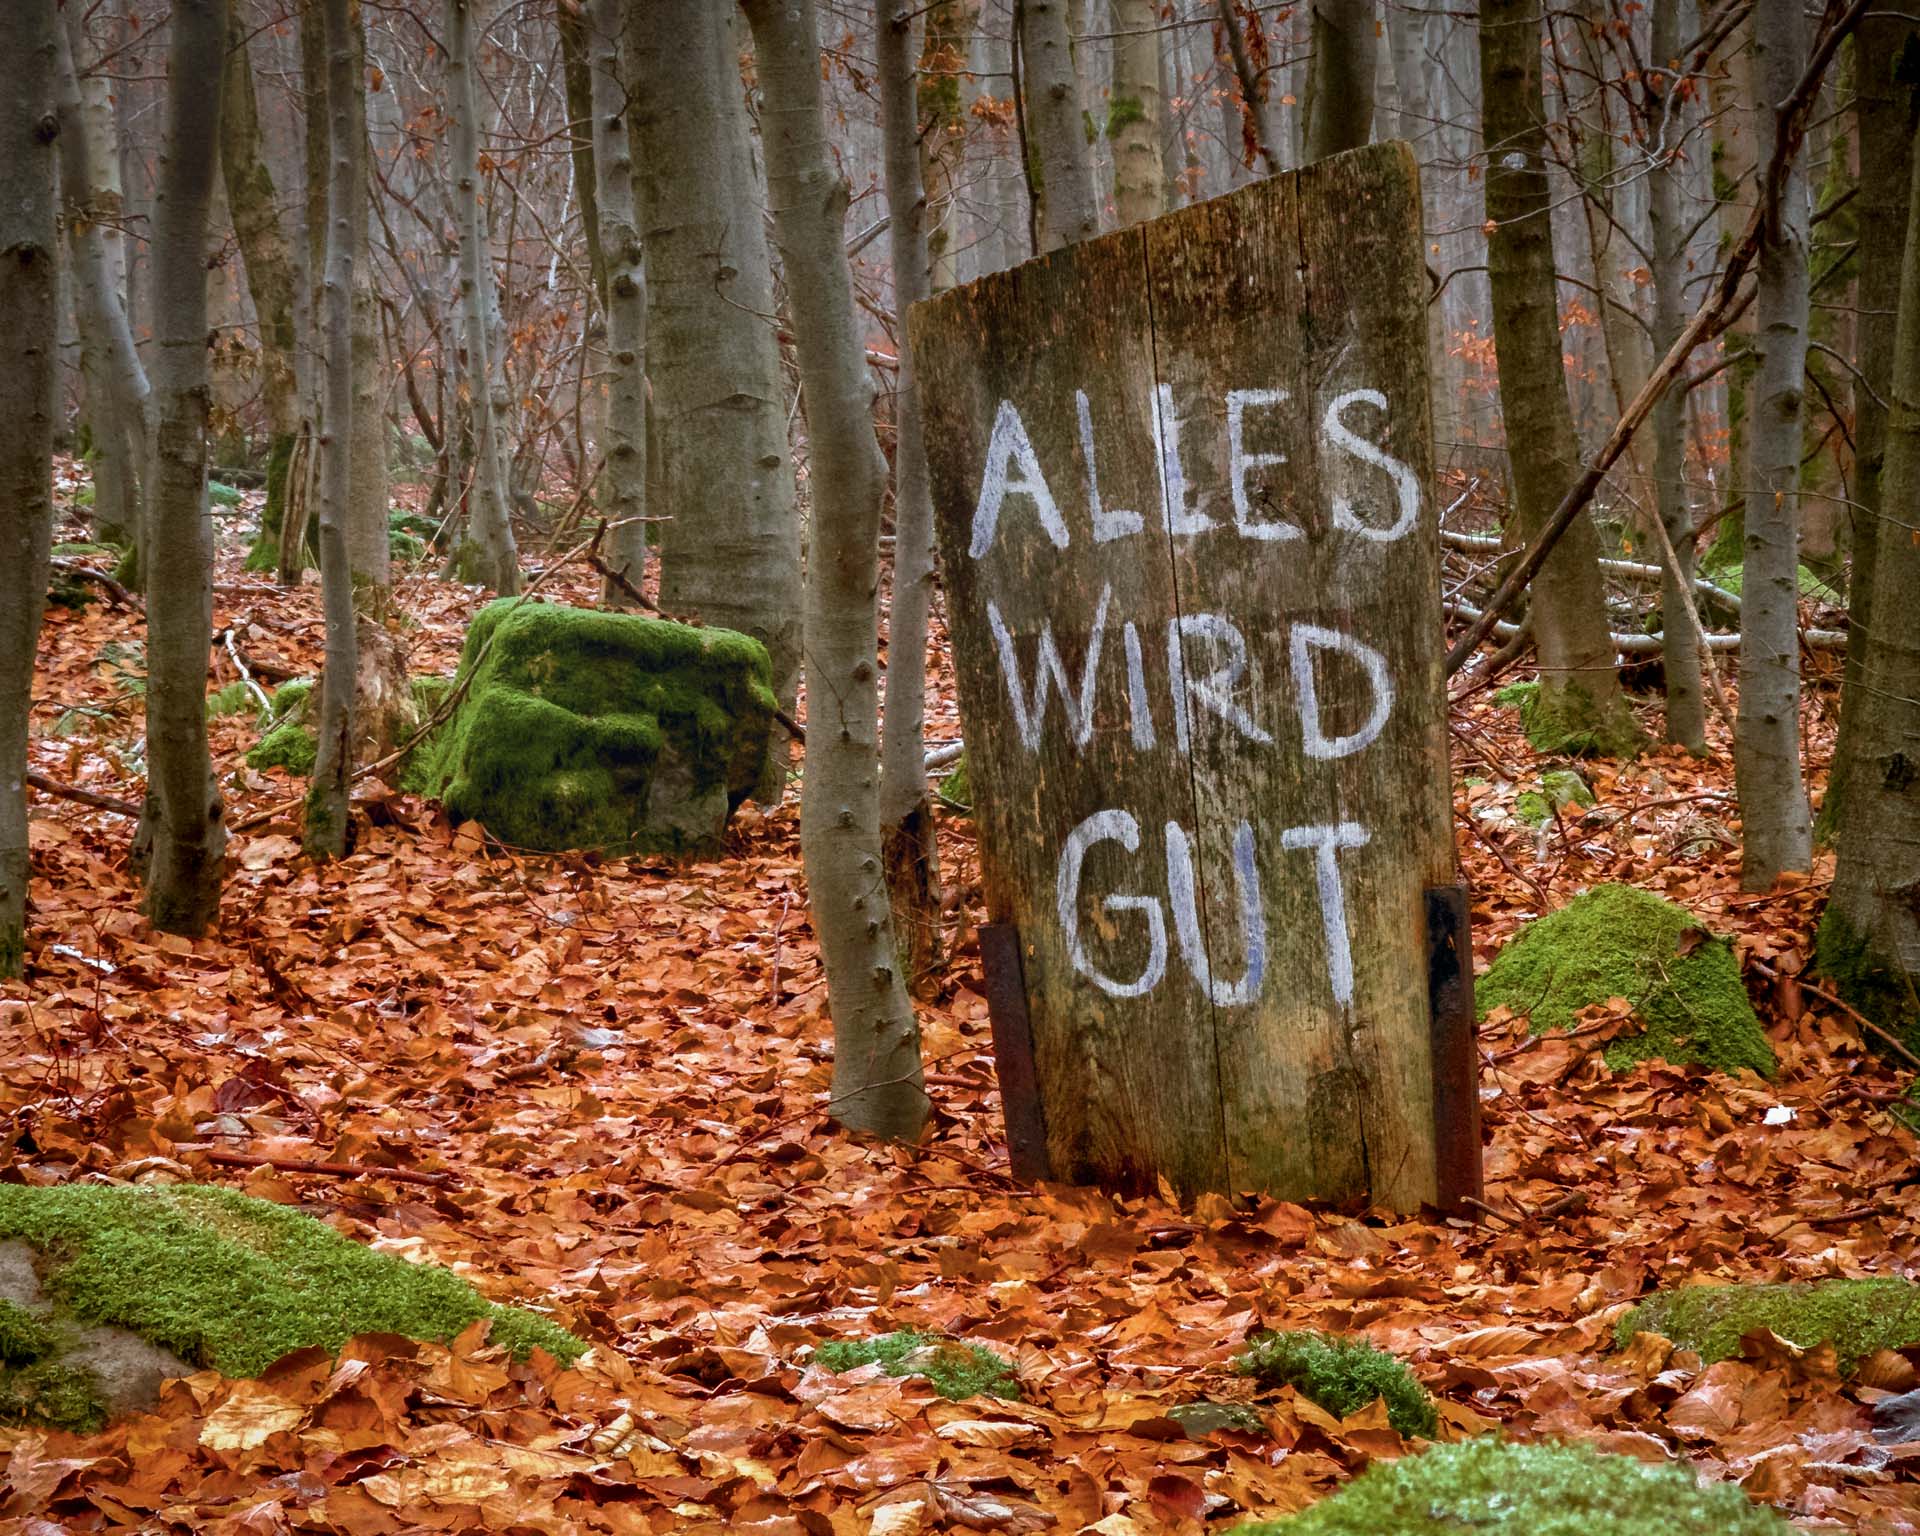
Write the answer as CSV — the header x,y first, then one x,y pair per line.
x,y
223,495
956,788
1205,1417
955,1370
287,739
1340,1375
1616,941
1493,1487
151,1281
582,729
1569,722
1560,788
1857,1317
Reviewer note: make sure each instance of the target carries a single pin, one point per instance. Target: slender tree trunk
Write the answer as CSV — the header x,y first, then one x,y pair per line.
x,y
943,125
1886,149
29,317
1870,935
183,829
1730,89
327,795
1580,706
1340,77
491,557
877,1083
626,435
906,811
369,540
122,412
730,548
1057,122
1777,825
254,204
1680,646
1134,114
583,113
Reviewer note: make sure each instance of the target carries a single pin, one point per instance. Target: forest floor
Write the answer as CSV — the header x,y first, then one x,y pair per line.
x,y
601,1090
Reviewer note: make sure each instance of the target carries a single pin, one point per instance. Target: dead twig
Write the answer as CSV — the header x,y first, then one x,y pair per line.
x,y
328,1170
79,796
1893,1041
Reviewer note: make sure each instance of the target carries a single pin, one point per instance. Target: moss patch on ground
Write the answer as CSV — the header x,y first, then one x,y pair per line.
x,y
609,731
1569,722
1496,1488
234,1283
1616,941
1560,789
1341,1376
1857,1317
955,1370
287,740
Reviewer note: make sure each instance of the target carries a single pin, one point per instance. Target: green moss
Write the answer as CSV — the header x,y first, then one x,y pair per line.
x,y
955,1370
1567,721
582,729
1857,1317
956,789
289,745
416,772
289,700
1870,977
52,1395
264,553
23,1337
1341,1375
1491,1487
235,1283
234,699
1559,788
222,494
1616,941
1123,112
1202,1418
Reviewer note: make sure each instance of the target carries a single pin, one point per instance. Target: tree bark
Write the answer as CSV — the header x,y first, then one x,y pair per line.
x,y
184,834
1058,124
730,548
254,204
626,288
1686,717
369,539
1580,705
943,126
29,318
1777,829
1886,149
1870,934
908,847
1134,113
1340,77
583,112
490,557
877,1084
327,794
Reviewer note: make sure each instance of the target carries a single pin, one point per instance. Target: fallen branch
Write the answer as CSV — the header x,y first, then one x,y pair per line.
x,y
80,796
118,595
1492,542
232,646
1647,645
328,1170
1893,1040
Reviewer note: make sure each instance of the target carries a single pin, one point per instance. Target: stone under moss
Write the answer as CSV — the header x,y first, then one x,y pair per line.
x,y
1340,1375
1857,1317
227,1281
288,740
1616,941
1560,788
956,788
1493,1487
1569,722
955,1370
609,731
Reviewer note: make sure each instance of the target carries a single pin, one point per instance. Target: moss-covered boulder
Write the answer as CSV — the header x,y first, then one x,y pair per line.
x,y
1616,941
1340,1375
1857,1317
1494,1487
582,729
954,1369
95,1279
1569,722
1561,789
286,737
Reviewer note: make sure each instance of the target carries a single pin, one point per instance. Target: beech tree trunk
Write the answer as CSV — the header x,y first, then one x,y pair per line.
x,y
121,408
1886,149
1686,717
942,97
254,204
1580,705
29,318
183,833
1870,935
1340,77
877,1084
621,251
1134,114
730,548
906,810
1057,124
489,557
327,794
1777,827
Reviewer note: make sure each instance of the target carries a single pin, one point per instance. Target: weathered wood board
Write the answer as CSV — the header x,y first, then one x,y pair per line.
x,y
1183,478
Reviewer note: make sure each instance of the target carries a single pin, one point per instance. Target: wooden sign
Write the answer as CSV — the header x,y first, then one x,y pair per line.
x,y
1183,478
